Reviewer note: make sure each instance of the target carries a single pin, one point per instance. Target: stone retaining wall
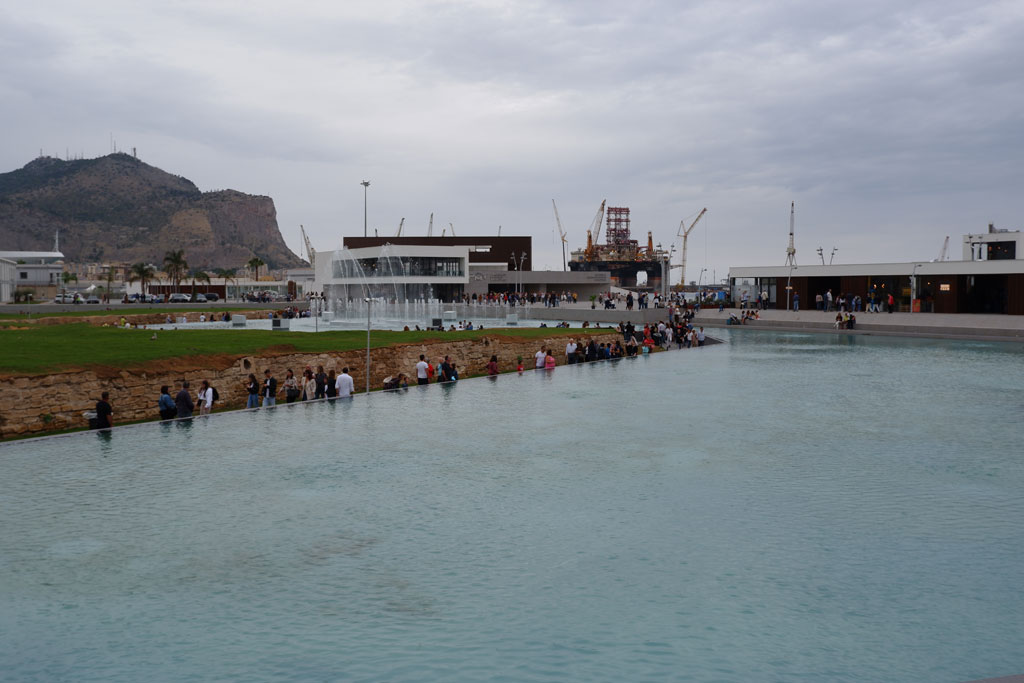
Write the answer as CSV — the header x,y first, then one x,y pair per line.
x,y
30,405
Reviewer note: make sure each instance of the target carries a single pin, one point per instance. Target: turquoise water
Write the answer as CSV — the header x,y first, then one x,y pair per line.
x,y
786,507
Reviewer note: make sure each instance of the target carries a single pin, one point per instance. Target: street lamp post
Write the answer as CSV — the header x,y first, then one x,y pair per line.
x,y
365,184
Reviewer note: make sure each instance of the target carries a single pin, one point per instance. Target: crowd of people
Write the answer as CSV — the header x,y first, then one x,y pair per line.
x,y
320,384
873,302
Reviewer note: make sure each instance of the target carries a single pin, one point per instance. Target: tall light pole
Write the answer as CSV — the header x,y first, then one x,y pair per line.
x,y
365,184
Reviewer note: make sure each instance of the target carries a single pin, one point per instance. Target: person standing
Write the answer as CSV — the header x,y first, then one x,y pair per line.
x,y
421,371
549,360
796,302
891,303
345,385
104,412
308,385
570,352
183,401
205,398
253,388
701,337
291,387
446,370
321,382
539,358
168,411
331,386
492,366
269,391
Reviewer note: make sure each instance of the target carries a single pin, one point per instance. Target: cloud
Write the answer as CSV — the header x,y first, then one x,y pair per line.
x,y
891,124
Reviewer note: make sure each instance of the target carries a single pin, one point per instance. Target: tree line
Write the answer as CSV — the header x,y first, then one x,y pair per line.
x,y
176,266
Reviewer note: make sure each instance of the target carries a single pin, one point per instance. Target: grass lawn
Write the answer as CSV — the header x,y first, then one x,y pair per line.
x,y
52,348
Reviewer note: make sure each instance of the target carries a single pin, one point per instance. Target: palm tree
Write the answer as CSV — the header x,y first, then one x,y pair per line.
x,y
255,262
175,266
227,274
143,272
197,274
67,277
110,283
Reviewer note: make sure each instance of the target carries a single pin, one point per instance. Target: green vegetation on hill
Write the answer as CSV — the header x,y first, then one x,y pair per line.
x,y
54,348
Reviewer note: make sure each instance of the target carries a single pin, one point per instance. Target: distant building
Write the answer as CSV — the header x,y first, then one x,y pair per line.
x,y
8,275
403,272
989,279
38,270
492,264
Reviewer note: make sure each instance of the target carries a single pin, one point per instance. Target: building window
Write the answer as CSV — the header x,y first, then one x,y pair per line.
x,y
24,275
395,266
1001,251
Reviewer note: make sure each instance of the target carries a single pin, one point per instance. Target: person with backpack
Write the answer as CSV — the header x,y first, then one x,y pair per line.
x,y
205,398
165,405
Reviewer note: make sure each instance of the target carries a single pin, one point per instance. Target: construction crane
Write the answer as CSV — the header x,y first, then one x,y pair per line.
x,y
400,224
430,226
945,249
594,231
452,228
561,232
684,232
791,250
309,249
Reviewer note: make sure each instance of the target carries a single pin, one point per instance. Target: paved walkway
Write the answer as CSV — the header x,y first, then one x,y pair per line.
x,y
945,325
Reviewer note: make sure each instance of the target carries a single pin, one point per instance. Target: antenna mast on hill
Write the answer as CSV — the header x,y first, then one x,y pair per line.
x,y
791,250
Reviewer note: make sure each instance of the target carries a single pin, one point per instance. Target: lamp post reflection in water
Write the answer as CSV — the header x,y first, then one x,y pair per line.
x,y
368,301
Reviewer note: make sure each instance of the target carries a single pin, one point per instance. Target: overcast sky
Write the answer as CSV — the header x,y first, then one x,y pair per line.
x,y
890,123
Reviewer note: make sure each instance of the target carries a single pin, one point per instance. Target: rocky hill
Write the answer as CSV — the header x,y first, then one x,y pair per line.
x,y
119,209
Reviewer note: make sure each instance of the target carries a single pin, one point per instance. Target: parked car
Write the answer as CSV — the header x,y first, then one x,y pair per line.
x,y
93,299
200,298
179,298
213,296
64,299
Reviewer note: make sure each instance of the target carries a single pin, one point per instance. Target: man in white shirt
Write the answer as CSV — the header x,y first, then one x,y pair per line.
x,y
421,370
570,352
540,356
344,384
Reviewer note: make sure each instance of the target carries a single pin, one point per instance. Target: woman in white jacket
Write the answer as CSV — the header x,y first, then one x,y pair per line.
x,y
205,398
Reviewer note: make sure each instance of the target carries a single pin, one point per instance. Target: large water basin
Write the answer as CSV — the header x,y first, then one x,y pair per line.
x,y
783,507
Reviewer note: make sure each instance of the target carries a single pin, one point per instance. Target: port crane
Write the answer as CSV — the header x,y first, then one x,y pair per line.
x,y
594,231
684,232
561,231
311,255
400,224
791,249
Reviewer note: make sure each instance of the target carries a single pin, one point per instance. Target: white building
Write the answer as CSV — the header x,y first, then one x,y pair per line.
x,y
989,279
393,272
40,270
8,274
